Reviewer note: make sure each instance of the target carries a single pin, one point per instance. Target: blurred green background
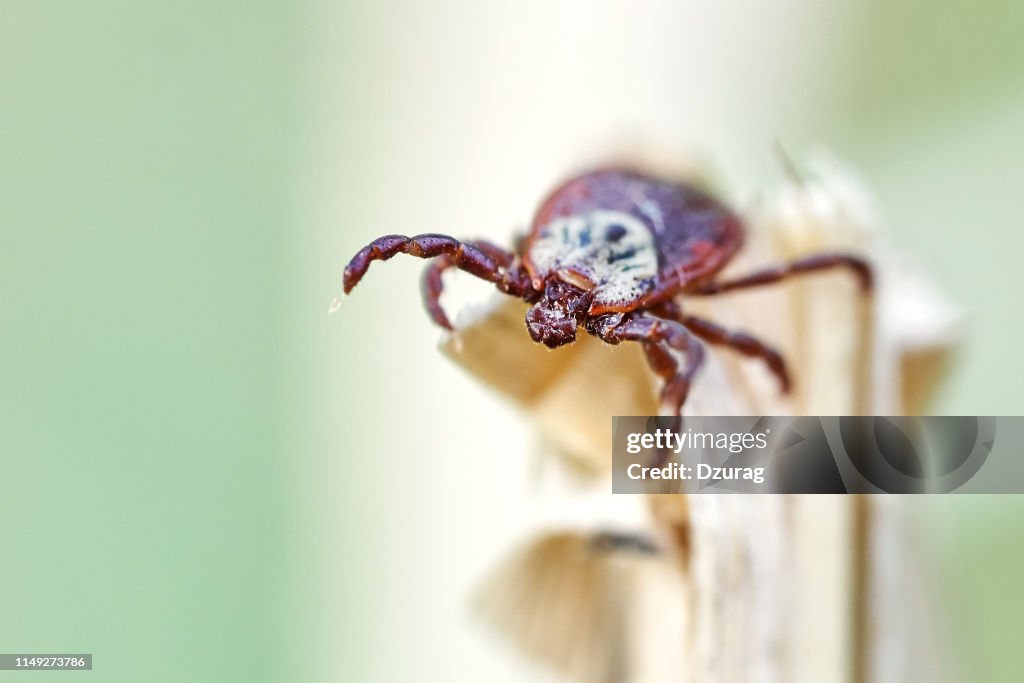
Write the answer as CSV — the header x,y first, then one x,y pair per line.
x,y
205,478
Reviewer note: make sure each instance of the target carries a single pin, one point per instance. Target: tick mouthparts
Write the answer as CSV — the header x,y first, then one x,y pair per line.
x,y
576,279
335,305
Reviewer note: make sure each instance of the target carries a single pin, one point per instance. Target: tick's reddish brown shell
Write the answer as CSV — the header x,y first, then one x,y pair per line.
x,y
630,239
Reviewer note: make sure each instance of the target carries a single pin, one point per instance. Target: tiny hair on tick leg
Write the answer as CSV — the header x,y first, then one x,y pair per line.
x,y
616,252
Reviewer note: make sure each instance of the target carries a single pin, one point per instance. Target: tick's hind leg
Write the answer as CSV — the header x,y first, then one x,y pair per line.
x,y
464,256
659,337
810,264
744,343
433,284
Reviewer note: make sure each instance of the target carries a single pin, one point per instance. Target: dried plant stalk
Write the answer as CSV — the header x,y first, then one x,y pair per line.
x,y
558,389
747,587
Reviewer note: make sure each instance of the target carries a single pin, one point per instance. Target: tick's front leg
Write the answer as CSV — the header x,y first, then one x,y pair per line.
x,y
464,256
433,284
660,337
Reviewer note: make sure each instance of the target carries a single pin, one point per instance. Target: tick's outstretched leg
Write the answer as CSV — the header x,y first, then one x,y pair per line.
x,y
433,285
674,389
744,343
811,264
464,256
659,337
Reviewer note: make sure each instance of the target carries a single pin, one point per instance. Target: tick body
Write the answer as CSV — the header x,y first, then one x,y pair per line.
x,y
613,251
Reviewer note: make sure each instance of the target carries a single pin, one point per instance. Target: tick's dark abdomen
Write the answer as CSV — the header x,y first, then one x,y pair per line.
x,y
694,233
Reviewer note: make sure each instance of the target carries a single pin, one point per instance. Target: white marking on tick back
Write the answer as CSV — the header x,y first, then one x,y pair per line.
x,y
651,209
613,250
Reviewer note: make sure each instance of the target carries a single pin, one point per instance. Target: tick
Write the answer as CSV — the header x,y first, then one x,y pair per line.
x,y
613,251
